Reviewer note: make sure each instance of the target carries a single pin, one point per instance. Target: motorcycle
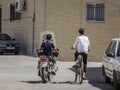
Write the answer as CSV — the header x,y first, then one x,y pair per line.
x,y
45,66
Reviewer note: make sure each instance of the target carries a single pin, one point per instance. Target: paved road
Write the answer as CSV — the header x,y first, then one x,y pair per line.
x,y
20,73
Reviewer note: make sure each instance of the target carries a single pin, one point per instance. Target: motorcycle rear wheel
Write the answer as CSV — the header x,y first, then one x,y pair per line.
x,y
45,75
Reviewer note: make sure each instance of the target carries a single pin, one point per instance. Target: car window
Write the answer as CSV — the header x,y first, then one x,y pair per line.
x,y
4,37
111,49
118,50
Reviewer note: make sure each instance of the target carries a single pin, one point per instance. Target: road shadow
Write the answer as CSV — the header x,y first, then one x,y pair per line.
x,y
32,82
95,78
65,82
40,82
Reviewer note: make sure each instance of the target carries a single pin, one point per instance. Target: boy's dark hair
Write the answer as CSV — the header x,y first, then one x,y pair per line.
x,y
48,36
81,31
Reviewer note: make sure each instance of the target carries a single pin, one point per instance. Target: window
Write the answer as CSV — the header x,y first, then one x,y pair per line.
x,y
111,49
14,15
0,19
95,12
118,51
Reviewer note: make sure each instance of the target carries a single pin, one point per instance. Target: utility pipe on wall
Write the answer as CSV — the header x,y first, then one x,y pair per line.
x,y
33,20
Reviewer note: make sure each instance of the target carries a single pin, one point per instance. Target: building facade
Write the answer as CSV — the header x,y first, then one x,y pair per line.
x,y
99,18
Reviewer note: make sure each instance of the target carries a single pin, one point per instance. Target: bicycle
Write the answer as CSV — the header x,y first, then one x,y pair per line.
x,y
79,69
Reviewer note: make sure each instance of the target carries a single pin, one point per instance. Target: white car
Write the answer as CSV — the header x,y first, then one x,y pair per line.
x,y
111,63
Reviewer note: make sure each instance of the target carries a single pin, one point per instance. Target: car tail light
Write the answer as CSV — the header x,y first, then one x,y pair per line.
x,y
43,59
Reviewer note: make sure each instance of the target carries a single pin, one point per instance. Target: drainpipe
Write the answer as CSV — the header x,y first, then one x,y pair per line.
x,y
33,20
81,14
45,4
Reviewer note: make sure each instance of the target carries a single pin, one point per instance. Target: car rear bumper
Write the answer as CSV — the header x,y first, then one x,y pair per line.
x,y
8,49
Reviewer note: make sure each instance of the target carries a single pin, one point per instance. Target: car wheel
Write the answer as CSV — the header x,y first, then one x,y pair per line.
x,y
16,52
116,84
1,53
107,79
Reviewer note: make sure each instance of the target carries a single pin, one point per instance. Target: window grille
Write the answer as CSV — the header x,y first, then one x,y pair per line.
x,y
95,12
14,15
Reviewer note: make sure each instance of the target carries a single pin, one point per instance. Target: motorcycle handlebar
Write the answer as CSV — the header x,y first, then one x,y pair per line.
x,y
54,52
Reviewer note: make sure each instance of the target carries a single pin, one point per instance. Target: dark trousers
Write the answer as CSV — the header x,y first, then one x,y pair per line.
x,y
52,60
84,55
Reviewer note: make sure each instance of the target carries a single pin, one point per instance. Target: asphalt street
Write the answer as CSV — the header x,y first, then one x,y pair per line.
x,y
18,72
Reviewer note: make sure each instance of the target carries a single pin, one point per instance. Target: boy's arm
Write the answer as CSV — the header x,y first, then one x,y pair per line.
x,y
75,44
88,45
41,47
55,49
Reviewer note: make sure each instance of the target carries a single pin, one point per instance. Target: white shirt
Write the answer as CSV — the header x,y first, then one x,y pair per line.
x,y
82,44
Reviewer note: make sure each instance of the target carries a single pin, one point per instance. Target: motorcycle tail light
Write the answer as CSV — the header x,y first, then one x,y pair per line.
x,y
43,59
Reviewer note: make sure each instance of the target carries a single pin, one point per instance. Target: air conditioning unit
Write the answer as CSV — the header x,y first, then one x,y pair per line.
x,y
20,5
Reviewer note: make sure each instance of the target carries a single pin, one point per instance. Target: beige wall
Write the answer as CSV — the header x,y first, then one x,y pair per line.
x,y
64,18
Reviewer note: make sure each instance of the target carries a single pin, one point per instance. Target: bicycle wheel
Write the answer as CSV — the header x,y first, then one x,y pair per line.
x,y
76,77
80,74
79,70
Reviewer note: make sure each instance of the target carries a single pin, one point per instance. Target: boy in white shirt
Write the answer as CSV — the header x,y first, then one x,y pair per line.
x,y
82,45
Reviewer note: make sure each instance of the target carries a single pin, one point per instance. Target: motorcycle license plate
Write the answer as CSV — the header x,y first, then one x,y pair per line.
x,y
44,64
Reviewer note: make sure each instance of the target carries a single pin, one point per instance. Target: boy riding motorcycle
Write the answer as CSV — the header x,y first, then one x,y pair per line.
x,y
46,49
